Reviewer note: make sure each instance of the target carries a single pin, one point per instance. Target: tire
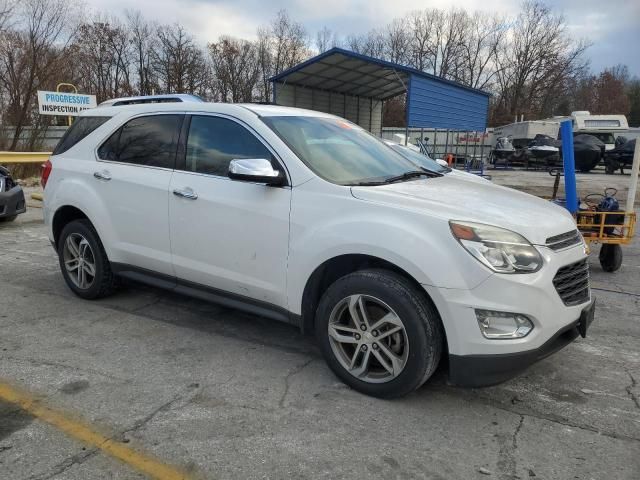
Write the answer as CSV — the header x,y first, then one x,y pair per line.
x,y
610,257
82,234
417,345
8,219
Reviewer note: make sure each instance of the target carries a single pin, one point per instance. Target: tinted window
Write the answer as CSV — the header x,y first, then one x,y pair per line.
x,y
82,127
151,141
213,142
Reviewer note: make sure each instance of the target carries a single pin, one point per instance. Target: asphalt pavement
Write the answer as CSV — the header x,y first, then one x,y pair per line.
x,y
218,394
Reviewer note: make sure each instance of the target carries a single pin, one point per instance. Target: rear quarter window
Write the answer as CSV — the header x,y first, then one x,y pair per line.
x,y
82,127
150,140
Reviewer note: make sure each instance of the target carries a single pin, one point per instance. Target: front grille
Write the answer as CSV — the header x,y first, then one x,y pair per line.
x,y
572,283
564,240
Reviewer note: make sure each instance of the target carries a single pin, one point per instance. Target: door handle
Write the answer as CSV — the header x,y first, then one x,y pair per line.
x,y
103,175
186,193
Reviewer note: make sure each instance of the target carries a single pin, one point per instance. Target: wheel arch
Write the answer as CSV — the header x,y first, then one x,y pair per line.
x,y
62,217
336,267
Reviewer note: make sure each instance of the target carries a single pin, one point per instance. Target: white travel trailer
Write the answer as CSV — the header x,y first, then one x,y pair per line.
x,y
604,127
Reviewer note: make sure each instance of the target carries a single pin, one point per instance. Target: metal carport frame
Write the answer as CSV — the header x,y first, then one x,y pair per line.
x,y
354,86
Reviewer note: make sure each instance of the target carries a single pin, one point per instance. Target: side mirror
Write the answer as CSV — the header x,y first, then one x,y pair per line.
x,y
257,170
442,162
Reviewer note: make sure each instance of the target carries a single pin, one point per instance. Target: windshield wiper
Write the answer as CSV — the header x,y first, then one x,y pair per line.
x,y
435,173
398,178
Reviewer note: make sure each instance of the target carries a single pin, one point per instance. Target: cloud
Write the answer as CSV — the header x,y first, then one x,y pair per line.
x,y
611,26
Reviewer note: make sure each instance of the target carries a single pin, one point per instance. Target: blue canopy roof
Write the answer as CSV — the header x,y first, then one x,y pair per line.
x,y
351,73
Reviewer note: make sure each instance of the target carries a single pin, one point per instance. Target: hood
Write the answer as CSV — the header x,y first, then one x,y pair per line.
x,y
466,176
453,198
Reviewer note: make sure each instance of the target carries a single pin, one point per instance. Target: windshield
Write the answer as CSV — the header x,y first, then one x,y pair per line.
x,y
419,159
338,150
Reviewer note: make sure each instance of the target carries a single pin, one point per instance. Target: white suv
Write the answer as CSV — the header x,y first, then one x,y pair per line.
x,y
307,218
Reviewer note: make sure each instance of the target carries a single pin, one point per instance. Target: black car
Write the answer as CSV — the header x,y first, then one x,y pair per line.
x,y
621,156
11,197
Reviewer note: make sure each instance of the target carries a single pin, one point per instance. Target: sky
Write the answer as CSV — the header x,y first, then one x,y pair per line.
x,y
612,26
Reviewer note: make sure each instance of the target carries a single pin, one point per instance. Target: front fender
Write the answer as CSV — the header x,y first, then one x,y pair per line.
x,y
421,245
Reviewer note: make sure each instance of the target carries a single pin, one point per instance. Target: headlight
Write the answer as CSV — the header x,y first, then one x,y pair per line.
x,y
501,250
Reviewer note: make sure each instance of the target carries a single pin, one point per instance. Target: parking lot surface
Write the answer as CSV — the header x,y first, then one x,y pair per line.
x,y
214,393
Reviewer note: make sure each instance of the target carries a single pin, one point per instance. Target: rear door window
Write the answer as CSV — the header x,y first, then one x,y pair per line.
x,y
150,141
82,127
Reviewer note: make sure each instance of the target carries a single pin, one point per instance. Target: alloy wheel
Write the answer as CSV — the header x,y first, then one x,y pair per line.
x,y
79,261
368,338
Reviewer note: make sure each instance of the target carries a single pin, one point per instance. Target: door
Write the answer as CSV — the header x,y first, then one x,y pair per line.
x,y
226,234
132,177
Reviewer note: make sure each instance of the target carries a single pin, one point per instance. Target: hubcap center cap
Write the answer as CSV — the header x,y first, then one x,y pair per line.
x,y
367,337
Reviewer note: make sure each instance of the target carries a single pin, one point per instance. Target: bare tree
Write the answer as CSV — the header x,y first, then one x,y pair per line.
x,y
422,49
236,69
281,45
178,63
6,10
30,57
371,44
449,43
103,50
483,36
325,40
265,64
289,42
606,92
397,41
534,66
143,42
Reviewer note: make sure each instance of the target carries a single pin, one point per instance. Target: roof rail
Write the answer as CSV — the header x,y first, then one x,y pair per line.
x,y
169,98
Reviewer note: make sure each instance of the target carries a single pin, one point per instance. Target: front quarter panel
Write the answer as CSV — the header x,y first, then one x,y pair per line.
x,y
327,222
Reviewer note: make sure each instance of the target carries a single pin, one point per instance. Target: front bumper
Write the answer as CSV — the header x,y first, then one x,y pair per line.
x,y
12,202
534,295
486,370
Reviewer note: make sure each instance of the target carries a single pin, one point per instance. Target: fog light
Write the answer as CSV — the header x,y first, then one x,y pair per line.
x,y
503,325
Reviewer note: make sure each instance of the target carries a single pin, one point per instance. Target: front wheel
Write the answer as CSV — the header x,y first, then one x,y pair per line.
x,y
610,257
378,333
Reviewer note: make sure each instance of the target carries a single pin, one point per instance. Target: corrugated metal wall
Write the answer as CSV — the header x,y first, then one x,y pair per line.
x,y
364,111
435,104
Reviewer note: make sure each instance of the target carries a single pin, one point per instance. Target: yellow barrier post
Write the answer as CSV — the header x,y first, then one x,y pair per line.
x,y
75,90
7,158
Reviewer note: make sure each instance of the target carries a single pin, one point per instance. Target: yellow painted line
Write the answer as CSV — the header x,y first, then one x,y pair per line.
x,y
37,196
79,431
23,157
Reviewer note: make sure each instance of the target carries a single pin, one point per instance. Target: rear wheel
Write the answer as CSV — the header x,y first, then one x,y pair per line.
x,y
83,261
378,333
610,257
